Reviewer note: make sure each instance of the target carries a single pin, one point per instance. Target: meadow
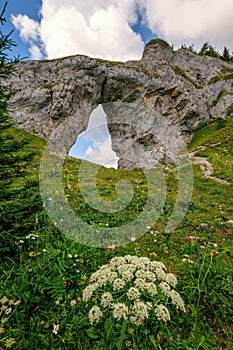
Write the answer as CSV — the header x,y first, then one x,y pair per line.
x,y
43,273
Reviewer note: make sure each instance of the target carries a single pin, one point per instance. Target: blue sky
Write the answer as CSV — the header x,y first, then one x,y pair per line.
x,y
15,7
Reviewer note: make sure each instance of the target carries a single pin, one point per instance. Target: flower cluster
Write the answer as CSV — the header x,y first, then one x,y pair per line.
x,y
31,236
7,307
132,288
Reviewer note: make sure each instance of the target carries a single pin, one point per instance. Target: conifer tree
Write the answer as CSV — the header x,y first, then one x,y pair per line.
x,y
226,54
19,198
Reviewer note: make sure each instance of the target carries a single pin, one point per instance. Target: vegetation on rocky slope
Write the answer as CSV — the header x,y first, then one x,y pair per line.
x,y
43,272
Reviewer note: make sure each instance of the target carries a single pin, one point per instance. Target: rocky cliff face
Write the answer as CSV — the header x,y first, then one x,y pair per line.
x,y
143,99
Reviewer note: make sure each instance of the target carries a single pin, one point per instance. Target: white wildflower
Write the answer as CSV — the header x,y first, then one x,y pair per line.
x,y
88,291
112,276
117,260
94,314
133,293
118,284
136,321
106,299
140,310
55,328
140,283
120,310
132,278
165,288
8,311
187,260
176,300
171,279
151,288
162,313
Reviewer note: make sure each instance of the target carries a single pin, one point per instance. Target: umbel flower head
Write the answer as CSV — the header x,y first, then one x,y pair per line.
x,y
132,288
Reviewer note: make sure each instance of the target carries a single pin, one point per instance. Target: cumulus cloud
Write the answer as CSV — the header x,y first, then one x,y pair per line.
x,y
27,27
29,31
35,52
97,29
68,27
97,126
191,21
102,154
103,28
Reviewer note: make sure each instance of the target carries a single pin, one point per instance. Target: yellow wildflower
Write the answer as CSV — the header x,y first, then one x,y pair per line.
x,y
9,343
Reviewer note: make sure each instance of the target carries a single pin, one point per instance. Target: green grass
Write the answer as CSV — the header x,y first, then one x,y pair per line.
x,y
217,78
45,273
183,74
219,96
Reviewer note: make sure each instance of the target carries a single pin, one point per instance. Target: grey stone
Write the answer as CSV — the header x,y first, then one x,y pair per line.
x,y
172,93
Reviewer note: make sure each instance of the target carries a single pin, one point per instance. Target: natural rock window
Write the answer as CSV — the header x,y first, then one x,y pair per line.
x,y
95,144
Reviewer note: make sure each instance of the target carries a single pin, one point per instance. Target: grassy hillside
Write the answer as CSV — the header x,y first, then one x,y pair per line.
x,y
43,273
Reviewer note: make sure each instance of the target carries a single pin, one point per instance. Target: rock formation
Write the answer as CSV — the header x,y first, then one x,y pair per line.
x,y
142,99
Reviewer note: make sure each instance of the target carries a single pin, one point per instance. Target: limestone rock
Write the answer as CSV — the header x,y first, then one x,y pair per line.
x,y
150,104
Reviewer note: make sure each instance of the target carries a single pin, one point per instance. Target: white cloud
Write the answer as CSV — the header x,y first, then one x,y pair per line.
x,y
192,21
102,154
97,29
102,30
35,52
29,31
100,150
97,126
27,27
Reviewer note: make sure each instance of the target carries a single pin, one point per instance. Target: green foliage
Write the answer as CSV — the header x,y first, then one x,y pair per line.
x,y
226,55
159,41
208,50
226,73
182,73
217,78
220,95
52,270
18,199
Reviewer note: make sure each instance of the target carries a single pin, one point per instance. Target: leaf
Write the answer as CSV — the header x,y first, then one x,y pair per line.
x,y
108,329
123,336
92,332
153,341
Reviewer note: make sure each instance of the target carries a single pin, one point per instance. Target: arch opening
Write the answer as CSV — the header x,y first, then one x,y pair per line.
x,y
95,143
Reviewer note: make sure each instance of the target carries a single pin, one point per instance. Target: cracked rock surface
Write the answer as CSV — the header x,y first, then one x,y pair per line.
x,y
172,94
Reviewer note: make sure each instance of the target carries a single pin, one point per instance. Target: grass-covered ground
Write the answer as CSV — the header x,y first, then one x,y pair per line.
x,y
43,273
